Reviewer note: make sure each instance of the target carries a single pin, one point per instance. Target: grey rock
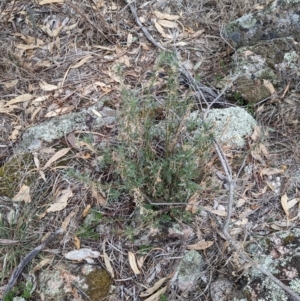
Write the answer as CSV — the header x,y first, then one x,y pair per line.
x,y
231,125
279,253
279,19
56,284
59,127
272,61
267,51
189,270
221,290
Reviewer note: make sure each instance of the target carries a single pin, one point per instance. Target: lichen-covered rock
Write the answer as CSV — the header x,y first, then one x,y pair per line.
x,y
279,253
189,270
281,18
57,284
267,51
231,125
59,127
256,66
221,290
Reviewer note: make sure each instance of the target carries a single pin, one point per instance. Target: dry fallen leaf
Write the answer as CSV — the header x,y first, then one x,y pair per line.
x,y
99,198
20,98
59,111
113,76
8,241
292,203
44,262
98,114
167,24
10,84
26,47
269,86
132,262
50,1
264,150
140,261
257,157
270,171
160,29
61,202
23,195
154,288
201,245
284,204
256,133
129,39
219,212
56,156
82,254
160,15
76,242
107,263
81,62
242,222
197,33
86,211
47,87
192,205
156,296
73,141
37,164
67,220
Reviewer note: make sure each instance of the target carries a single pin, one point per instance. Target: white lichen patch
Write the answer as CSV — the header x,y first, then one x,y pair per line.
x,y
295,285
279,254
247,21
231,125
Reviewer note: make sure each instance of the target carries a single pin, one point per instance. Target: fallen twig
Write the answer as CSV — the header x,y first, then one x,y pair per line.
x,y
204,93
224,227
143,28
103,22
14,277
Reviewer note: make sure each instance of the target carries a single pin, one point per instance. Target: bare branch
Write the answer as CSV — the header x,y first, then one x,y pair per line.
x,y
14,277
143,28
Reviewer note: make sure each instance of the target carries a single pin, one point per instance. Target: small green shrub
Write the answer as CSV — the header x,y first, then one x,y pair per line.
x,y
157,157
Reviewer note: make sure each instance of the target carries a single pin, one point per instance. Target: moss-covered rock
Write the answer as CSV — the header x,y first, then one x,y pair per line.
x,y
279,253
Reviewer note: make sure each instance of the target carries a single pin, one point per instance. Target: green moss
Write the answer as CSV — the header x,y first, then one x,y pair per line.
x,y
99,283
289,240
11,173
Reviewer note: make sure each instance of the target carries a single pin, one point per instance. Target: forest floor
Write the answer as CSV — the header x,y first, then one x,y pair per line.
x,y
60,57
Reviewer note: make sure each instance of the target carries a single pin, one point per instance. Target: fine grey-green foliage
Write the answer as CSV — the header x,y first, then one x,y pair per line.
x,y
163,165
295,285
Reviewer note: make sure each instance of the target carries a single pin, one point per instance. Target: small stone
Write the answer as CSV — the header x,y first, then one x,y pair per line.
x,y
189,270
221,207
221,289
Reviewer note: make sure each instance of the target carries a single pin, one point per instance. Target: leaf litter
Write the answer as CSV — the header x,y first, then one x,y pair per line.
x,y
91,74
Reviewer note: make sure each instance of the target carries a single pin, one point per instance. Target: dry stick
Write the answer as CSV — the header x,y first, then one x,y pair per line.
x,y
83,15
224,228
143,28
14,277
204,91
